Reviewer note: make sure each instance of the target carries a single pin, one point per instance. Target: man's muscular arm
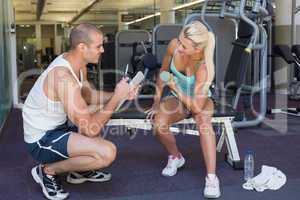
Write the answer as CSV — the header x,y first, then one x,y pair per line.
x,y
69,93
91,95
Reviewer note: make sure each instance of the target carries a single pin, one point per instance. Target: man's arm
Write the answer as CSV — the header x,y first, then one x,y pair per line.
x,y
69,93
91,95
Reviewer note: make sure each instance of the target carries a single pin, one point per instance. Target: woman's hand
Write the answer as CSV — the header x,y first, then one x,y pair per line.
x,y
168,79
172,83
153,110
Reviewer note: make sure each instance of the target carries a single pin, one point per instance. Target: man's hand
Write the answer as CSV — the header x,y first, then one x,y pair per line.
x,y
133,93
122,89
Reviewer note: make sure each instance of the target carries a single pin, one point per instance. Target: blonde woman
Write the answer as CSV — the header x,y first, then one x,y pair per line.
x,y
190,60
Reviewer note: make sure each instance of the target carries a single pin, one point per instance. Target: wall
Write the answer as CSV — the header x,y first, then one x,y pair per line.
x,y
5,60
283,73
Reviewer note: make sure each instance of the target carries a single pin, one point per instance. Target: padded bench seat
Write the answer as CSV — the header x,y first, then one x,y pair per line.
x,y
130,111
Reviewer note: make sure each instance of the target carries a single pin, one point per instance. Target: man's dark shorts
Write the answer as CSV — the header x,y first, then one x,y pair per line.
x,y
53,146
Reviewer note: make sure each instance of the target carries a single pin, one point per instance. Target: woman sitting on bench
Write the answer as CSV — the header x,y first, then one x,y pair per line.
x,y
189,59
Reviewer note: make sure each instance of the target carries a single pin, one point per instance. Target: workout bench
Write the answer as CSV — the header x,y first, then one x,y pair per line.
x,y
132,118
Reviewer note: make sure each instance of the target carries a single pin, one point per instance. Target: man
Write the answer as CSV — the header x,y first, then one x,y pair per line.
x,y
62,92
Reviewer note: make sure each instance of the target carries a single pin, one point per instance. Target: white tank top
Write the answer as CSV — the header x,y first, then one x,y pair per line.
x,y
40,113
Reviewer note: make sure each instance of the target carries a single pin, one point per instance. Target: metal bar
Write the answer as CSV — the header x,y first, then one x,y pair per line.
x,y
294,26
203,12
39,8
297,10
188,131
251,23
221,140
231,142
83,11
147,122
262,85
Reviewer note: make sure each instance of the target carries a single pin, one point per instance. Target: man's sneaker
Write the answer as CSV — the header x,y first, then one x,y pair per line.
x,y
51,188
93,176
212,188
173,164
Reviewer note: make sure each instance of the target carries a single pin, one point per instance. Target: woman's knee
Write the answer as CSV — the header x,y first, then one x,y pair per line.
x,y
161,124
203,122
201,118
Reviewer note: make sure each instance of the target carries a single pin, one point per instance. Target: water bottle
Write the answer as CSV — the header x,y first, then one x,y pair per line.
x,y
248,165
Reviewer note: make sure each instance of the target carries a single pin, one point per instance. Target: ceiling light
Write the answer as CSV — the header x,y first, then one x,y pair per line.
x,y
186,5
143,18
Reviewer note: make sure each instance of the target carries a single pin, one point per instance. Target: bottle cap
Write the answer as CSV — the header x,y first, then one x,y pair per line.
x,y
250,152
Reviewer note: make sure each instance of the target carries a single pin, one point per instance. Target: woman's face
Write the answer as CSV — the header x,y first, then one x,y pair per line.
x,y
186,46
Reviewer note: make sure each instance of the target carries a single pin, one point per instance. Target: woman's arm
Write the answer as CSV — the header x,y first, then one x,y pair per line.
x,y
165,67
196,103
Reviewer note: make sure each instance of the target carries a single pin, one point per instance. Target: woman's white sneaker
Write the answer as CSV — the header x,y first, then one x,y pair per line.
x,y
212,188
173,164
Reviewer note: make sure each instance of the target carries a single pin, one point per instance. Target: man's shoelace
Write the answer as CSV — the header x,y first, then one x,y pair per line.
x,y
54,183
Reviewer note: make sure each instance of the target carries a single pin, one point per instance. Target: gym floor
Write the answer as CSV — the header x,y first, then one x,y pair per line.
x,y
136,171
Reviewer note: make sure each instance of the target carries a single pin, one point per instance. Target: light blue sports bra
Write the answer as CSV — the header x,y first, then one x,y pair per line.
x,y
185,83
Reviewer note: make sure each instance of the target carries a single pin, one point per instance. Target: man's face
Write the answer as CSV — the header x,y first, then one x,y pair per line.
x,y
94,50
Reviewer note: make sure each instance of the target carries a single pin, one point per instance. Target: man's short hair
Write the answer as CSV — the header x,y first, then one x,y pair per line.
x,y
82,34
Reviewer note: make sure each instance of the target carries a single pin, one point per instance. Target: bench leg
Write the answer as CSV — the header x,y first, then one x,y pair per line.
x,y
233,157
221,140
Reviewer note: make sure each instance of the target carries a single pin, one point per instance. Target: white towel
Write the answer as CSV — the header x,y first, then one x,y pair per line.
x,y
269,178
277,181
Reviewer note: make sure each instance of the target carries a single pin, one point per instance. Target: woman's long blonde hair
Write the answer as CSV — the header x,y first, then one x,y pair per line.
x,y
204,39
